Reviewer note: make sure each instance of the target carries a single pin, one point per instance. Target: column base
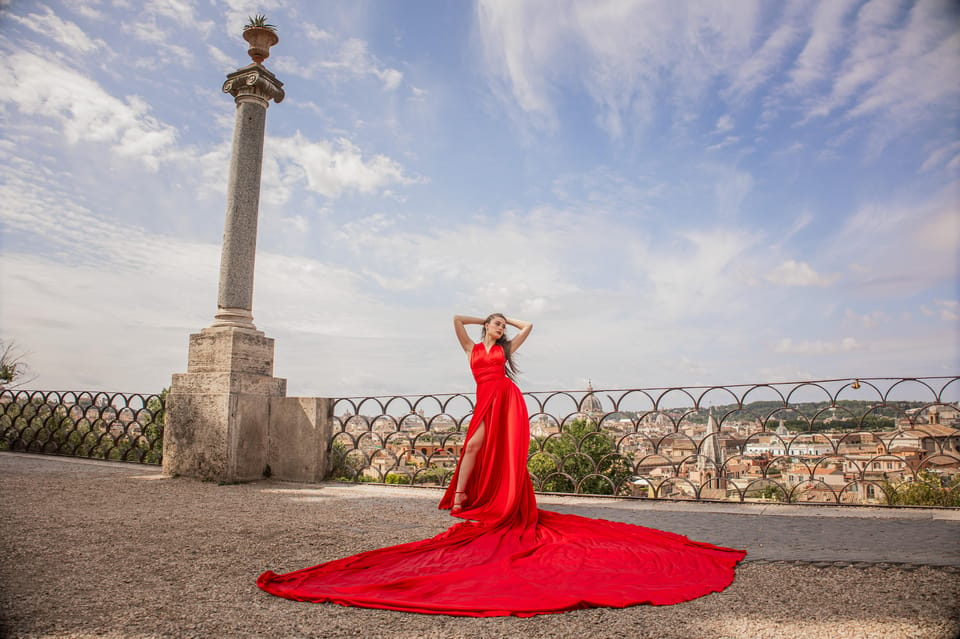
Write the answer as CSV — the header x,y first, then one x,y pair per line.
x,y
233,318
218,412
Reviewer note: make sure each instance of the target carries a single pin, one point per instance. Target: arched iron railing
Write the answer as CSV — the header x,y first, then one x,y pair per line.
x,y
118,426
886,441
889,441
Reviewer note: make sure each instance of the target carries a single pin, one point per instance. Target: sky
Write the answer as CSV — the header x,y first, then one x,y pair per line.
x,y
674,193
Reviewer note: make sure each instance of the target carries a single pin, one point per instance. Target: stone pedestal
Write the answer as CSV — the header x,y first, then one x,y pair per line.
x,y
218,412
298,444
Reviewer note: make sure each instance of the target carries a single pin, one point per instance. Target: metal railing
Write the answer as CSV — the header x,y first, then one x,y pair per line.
x,y
98,425
885,441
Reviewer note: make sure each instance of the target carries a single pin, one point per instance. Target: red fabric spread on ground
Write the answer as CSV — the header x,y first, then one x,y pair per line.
x,y
512,558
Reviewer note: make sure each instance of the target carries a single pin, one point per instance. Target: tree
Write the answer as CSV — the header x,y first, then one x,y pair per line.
x,y
926,490
396,478
12,366
771,492
581,459
343,466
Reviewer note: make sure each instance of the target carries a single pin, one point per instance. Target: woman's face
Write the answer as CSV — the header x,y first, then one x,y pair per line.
x,y
495,327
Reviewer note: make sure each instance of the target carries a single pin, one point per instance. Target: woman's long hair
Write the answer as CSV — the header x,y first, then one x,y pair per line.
x,y
511,367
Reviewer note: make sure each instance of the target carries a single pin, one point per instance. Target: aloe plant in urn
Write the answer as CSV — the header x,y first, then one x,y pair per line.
x,y
261,36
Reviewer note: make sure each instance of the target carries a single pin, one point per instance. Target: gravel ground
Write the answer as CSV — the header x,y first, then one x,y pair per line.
x,y
107,550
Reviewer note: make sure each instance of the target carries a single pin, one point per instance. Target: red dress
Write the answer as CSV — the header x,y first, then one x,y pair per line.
x,y
513,559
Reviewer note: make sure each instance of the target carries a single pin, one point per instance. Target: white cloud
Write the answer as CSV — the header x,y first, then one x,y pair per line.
x,y
947,310
702,273
548,262
83,110
350,59
944,154
727,141
858,59
603,190
869,57
801,222
146,30
225,62
878,77
481,259
511,44
899,245
935,233
86,325
87,10
731,187
65,33
724,124
328,168
758,69
533,50
297,224
827,35
931,44
391,78
868,320
793,273
182,12
787,346
316,33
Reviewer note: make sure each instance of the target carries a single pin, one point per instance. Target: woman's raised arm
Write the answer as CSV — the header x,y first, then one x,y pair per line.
x,y
458,326
525,328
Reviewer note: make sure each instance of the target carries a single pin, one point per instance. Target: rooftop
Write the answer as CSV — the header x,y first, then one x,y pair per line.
x,y
108,549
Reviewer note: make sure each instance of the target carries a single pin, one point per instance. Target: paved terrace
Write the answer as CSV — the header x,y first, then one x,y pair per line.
x,y
102,549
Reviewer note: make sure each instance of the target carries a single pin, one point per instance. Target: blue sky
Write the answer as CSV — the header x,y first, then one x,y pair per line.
x,y
675,193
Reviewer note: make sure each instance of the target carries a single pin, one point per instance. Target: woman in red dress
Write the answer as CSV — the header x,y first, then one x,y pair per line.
x,y
510,558
491,481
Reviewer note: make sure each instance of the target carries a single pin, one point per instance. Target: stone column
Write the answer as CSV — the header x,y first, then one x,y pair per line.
x,y
218,412
252,87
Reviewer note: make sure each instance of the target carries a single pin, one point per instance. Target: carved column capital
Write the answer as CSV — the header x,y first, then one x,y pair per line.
x,y
256,83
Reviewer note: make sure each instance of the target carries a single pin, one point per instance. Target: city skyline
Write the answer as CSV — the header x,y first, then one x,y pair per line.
x,y
674,195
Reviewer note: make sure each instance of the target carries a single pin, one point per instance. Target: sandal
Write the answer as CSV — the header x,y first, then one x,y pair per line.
x,y
458,503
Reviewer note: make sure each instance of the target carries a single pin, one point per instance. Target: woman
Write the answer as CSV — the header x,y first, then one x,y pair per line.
x,y
512,558
491,482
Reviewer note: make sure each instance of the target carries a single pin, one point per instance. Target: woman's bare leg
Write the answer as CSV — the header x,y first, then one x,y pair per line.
x,y
467,463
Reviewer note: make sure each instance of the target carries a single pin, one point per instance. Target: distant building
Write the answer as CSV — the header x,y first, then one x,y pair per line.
x,y
590,405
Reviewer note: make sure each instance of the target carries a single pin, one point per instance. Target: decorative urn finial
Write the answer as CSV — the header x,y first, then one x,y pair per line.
x,y
261,35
